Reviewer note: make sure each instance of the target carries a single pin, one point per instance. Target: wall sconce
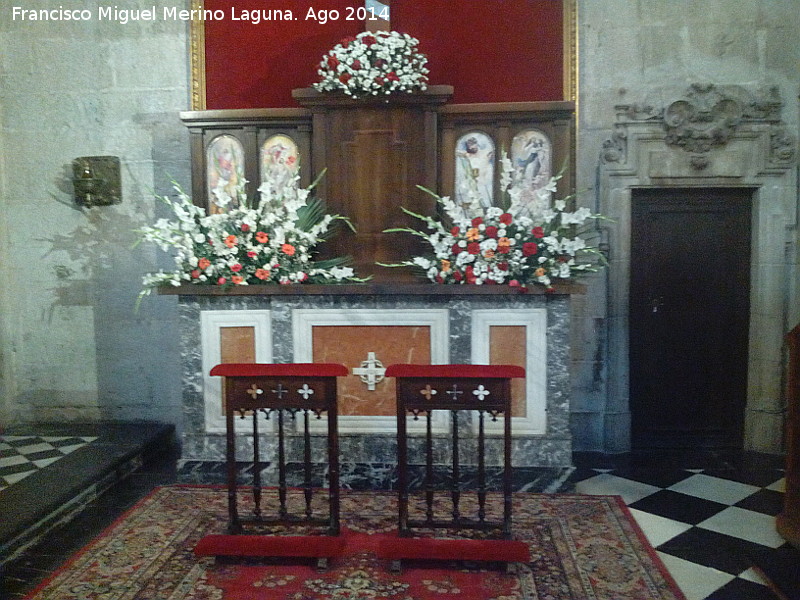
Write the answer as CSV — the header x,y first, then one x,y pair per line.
x,y
97,180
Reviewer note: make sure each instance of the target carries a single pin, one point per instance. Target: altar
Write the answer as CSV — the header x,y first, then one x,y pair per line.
x,y
384,158
367,328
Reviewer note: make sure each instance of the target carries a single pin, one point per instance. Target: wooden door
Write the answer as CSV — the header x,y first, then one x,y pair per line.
x,y
689,316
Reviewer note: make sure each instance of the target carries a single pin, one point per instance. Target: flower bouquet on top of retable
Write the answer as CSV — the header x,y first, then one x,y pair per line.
x,y
271,242
372,64
523,242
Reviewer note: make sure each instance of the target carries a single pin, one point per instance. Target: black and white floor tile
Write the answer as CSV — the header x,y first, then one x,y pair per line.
x,y
23,455
712,523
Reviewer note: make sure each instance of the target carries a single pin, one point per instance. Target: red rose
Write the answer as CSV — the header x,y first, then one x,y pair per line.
x,y
345,77
513,283
477,222
392,76
529,248
491,231
474,248
538,232
438,279
379,80
503,266
356,64
195,274
455,230
346,41
506,218
368,40
222,281
333,62
504,249
456,249
457,275
236,268
245,227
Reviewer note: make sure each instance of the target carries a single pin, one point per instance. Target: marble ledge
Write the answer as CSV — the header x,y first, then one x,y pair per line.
x,y
370,289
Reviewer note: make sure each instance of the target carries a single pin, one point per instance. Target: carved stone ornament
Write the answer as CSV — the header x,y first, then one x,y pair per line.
x,y
615,149
705,118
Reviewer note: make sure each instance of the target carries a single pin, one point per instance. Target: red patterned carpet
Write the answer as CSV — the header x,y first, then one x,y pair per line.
x,y
582,547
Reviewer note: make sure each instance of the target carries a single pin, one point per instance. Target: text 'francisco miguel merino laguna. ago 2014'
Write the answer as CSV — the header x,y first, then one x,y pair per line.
x,y
173,13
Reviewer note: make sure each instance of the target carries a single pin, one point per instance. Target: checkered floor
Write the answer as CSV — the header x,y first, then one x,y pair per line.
x,y
710,526
23,455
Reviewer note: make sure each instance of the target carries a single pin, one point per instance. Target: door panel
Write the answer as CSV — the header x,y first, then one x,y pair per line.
x,y
689,316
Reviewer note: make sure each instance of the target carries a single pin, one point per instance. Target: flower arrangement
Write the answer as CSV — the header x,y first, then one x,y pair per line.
x,y
371,64
520,244
270,243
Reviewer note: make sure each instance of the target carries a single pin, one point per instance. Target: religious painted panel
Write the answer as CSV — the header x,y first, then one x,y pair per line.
x,y
279,160
532,159
225,177
475,169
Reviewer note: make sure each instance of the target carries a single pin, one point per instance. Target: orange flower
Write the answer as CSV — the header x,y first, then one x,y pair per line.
x,y
262,237
504,241
204,263
237,279
473,234
230,241
488,254
445,265
539,272
262,274
288,249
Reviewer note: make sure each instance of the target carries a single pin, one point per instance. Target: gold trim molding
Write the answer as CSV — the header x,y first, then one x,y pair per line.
x,y
197,56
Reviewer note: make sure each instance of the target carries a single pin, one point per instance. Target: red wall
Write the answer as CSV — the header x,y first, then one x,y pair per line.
x,y
489,50
258,66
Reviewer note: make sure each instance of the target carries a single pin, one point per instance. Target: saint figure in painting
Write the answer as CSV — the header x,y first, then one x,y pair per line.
x,y
225,173
475,170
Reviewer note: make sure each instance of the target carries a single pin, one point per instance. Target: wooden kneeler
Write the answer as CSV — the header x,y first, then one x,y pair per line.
x,y
481,389
285,393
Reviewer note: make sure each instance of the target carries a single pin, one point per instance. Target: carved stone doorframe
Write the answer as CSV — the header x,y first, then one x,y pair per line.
x,y
707,136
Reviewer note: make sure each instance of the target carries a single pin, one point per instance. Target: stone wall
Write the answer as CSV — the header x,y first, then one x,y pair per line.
x,y
72,347
630,50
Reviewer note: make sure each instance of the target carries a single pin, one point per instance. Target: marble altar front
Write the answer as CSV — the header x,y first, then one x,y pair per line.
x,y
368,327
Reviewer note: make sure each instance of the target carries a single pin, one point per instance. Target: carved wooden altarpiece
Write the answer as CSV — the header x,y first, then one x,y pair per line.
x,y
375,153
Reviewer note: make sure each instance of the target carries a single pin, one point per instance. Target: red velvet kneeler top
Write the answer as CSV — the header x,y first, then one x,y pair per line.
x,y
476,371
280,370
397,548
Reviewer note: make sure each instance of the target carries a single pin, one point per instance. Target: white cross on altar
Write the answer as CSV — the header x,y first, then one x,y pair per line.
x,y
371,371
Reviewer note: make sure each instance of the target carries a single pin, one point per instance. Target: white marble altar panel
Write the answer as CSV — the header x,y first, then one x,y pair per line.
x,y
534,321
211,324
434,320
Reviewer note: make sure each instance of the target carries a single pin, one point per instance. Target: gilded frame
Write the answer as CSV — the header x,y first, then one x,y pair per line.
x,y
197,53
